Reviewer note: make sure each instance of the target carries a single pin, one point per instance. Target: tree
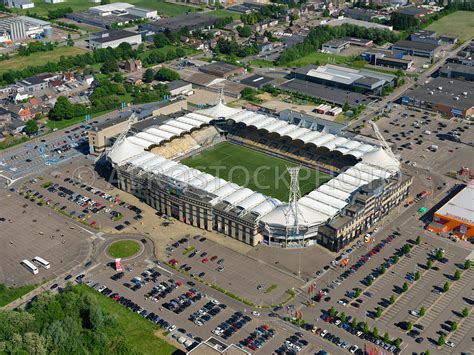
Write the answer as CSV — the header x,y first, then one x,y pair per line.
x,y
417,276
429,264
441,340
354,323
365,328
62,109
244,31
465,312
397,343
379,312
409,325
396,258
406,248
383,269
467,264
148,76
392,299
454,326
386,338
109,66
166,74
422,311
446,287
404,22
405,287
375,332
369,281
358,292
160,40
418,240
439,254
457,275
342,317
326,13
69,41
31,127
332,312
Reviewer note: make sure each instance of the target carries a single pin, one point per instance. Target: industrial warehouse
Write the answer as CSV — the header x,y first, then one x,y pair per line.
x,y
364,181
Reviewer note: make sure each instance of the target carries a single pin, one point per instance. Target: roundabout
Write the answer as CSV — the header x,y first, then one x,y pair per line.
x,y
124,249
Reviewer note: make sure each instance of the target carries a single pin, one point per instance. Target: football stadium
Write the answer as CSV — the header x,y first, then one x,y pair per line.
x,y
258,178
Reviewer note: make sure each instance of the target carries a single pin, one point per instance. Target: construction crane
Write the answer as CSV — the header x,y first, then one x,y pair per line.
x,y
383,142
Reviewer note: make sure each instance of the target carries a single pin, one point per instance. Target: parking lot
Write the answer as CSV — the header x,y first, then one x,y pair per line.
x,y
241,275
187,312
426,139
28,230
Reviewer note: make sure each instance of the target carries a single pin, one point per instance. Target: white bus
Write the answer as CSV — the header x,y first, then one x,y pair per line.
x,y
42,262
29,266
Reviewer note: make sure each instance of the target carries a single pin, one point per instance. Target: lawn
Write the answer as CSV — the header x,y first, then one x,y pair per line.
x,y
255,170
39,58
8,295
123,249
224,13
163,8
321,58
138,332
459,24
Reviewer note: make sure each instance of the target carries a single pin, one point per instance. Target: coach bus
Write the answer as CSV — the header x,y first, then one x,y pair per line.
x,y
30,266
42,262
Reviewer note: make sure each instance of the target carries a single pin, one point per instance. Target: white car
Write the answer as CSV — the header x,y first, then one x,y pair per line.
x,y
342,302
255,313
353,349
413,313
450,344
323,333
337,322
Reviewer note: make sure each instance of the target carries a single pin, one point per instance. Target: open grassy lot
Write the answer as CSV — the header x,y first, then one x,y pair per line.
x,y
123,249
459,24
9,294
164,8
224,13
257,171
138,332
325,58
18,62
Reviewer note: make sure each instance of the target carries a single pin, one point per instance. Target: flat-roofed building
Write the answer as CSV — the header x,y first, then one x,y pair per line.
x,y
425,36
113,39
222,70
358,80
335,46
456,216
453,98
387,58
457,71
418,49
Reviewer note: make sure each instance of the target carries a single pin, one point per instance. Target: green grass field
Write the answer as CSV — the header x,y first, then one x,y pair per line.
x,y
18,62
138,332
224,13
123,249
163,8
257,171
459,24
8,295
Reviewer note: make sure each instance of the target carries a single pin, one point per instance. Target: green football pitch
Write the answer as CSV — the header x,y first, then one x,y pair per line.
x,y
257,171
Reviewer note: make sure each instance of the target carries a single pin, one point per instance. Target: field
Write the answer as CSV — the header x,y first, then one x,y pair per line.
x,y
224,13
164,8
18,62
257,171
138,332
325,58
123,249
459,24
8,295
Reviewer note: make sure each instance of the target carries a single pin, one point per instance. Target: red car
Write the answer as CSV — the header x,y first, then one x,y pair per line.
x,y
116,298
205,260
173,262
214,258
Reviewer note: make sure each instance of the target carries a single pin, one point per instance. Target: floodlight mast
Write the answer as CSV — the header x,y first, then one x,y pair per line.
x,y
292,217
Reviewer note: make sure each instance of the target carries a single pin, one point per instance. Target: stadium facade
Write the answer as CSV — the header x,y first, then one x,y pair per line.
x,y
367,181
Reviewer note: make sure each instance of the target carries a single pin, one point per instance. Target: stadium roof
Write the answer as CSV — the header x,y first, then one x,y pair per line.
x,y
460,206
322,204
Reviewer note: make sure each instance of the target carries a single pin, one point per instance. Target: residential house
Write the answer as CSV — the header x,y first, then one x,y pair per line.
x,y
20,112
132,65
5,117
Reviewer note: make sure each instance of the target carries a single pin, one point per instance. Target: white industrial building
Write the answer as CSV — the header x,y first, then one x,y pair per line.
x,y
113,39
18,28
20,4
123,8
53,1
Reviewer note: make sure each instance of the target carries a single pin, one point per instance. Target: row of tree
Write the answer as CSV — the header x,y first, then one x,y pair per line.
x,y
322,34
164,74
33,47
